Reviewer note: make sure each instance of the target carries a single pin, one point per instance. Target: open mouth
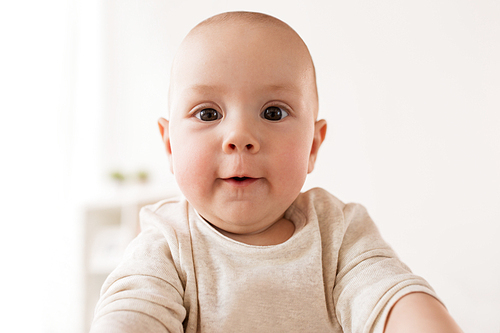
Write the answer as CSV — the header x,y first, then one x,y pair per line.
x,y
240,181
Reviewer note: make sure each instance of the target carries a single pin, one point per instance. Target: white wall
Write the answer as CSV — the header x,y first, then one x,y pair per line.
x,y
409,90
39,237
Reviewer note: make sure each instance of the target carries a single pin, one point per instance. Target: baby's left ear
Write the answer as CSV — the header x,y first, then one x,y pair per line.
x,y
319,137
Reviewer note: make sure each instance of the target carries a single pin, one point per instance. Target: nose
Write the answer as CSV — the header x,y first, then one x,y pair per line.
x,y
241,137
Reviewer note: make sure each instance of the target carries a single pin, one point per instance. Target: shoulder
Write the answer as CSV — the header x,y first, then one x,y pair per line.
x,y
166,205
325,202
168,213
161,227
320,199
343,220
321,195
165,228
321,208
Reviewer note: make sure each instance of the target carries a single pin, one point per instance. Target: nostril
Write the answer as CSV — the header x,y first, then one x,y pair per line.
x,y
232,147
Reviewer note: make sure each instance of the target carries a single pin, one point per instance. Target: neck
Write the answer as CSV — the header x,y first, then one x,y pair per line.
x,y
277,233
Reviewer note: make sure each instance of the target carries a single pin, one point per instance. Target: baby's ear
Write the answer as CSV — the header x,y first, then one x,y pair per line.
x,y
319,137
163,125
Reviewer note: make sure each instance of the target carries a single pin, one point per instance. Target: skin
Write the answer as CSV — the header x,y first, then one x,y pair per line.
x,y
419,312
234,70
274,155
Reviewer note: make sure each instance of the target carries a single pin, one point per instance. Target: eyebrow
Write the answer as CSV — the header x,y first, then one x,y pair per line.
x,y
266,88
203,87
281,87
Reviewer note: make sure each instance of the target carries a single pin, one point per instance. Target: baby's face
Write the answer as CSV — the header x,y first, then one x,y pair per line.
x,y
242,134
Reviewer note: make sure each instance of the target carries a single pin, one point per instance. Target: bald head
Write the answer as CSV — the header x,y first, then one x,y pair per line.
x,y
240,16
248,18
245,38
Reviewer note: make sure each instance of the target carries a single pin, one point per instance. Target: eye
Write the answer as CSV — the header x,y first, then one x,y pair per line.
x,y
274,113
208,115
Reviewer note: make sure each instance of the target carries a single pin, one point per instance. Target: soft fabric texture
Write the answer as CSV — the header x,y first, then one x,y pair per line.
x,y
335,274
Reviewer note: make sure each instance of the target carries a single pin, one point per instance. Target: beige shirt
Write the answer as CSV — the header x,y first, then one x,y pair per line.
x,y
335,274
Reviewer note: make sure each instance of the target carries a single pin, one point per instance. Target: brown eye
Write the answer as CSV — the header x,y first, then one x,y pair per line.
x,y
274,113
208,115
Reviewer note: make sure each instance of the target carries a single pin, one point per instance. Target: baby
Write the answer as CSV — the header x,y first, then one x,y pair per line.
x,y
244,250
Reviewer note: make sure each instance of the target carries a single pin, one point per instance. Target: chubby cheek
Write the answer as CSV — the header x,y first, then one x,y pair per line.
x,y
291,165
192,166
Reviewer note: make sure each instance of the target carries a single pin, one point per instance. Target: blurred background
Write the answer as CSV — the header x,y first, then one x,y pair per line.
x,y
410,90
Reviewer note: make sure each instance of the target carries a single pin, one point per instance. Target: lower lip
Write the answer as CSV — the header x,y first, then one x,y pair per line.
x,y
241,183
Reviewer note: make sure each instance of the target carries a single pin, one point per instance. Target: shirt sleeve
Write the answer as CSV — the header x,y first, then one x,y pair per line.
x,y
145,292
370,277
